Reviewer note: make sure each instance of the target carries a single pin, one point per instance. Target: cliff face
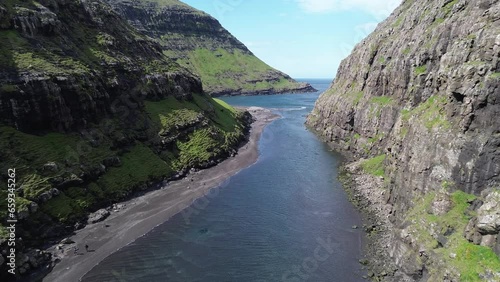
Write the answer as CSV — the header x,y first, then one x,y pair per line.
x,y
92,111
422,93
59,74
198,42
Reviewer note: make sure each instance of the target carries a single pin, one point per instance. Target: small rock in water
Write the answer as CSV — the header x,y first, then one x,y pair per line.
x,y
363,261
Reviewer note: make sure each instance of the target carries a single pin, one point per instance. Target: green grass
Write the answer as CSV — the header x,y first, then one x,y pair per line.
x,y
211,141
8,88
381,100
235,69
62,208
4,233
376,138
170,111
447,8
201,147
495,75
33,185
431,113
375,166
398,22
178,118
471,260
53,65
377,103
139,166
357,96
13,41
26,149
104,39
404,131
475,63
420,70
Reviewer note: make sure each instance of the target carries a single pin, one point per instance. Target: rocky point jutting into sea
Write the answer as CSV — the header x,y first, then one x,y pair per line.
x,y
417,105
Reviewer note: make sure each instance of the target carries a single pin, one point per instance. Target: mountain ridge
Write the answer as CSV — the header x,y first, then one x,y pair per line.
x,y
199,43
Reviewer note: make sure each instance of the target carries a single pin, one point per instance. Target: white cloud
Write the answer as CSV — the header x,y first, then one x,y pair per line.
x,y
378,8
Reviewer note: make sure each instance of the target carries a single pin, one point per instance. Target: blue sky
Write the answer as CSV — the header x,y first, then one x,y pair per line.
x,y
303,38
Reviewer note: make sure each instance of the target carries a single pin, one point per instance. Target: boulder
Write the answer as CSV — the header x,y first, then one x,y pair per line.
x,y
67,241
44,197
112,161
69,180
489,241
50,167
488,215
98,216
442,204
33,207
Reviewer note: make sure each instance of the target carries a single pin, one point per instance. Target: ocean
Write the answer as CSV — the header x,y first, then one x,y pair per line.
x,y
286,218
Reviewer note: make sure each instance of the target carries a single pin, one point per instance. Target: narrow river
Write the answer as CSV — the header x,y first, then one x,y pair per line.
x,y
286,218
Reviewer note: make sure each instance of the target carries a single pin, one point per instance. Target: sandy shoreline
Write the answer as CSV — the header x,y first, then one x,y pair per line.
x,y
140,215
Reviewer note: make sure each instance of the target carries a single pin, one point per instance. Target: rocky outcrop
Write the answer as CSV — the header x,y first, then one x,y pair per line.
x,y
98,216
422,90
198,42
484,228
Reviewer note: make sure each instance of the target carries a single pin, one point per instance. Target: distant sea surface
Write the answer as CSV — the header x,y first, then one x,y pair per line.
x,y
286,218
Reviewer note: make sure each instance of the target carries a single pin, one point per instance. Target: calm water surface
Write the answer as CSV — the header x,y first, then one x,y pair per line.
x,y
286,218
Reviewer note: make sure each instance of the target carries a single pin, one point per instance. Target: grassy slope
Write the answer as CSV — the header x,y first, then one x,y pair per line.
x,y
139,163
234,70
225,69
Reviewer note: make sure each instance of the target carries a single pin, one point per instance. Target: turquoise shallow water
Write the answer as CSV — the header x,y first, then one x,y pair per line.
x,y
286,218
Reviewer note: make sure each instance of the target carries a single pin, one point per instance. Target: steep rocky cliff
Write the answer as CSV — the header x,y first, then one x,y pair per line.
x,y
92,111
198,42
420,97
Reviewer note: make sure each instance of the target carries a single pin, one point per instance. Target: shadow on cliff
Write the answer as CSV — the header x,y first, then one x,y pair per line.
x,y
9,76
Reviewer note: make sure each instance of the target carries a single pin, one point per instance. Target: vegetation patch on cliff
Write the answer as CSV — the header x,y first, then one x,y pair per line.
x,y
431,113
443,234
375,166
234,69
